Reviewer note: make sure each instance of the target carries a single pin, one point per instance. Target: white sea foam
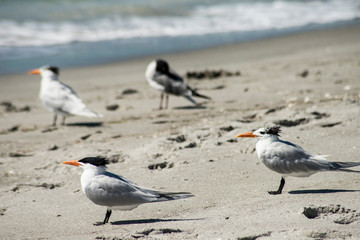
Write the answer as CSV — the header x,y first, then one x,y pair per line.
x,y
203,19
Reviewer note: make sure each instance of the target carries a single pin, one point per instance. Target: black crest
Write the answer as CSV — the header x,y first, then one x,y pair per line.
x,y
162,66
54,69
275,130
96,161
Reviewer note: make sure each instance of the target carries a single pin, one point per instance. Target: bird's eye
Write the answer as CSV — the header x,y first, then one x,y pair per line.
x,y
262,132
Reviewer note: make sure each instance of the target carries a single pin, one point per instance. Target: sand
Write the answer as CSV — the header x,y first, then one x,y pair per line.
x,y
309,79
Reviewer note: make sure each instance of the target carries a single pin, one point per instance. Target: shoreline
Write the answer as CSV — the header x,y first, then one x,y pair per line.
x,y
240,40
312,33
41,198
230,55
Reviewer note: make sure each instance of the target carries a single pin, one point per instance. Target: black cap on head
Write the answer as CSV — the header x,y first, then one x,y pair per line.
x,y
96,161
275,130
53,69
162,66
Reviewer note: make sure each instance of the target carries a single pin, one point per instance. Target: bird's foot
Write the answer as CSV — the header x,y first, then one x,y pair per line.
x,y
274,192
99,223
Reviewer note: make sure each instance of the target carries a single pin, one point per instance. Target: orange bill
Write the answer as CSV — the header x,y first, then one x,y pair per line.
x,y
74,163
35,71
248,135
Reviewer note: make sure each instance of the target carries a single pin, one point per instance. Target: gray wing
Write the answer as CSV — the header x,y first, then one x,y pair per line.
x,y
289,159
64,99
74,105
172,83
112,190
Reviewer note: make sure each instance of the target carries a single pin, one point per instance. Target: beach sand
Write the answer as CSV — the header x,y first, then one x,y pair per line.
x,y
310,79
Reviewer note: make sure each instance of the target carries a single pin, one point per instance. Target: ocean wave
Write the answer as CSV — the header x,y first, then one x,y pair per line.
x,y
203,19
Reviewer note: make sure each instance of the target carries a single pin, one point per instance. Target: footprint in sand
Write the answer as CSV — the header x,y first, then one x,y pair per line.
x,y
346,216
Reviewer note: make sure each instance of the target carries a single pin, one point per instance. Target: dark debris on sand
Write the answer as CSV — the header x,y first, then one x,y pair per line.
x,y
14,128
219,87
85,137
291,123
43,185
156,231
304,73
16,155
318,115
244,121
112,107
2,211
160,165
115,158
53,148
10,130
211,74
178,139
109,238
10,107
327,125
129,91
227,129
191,145
275,109
247,119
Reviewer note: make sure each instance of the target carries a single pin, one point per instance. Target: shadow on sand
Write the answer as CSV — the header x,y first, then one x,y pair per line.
x,y
85,124
320,191
152,220
190,107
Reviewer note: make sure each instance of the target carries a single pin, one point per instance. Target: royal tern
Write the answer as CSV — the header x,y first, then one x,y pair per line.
x,y
58,97
115,192
289,159
161,77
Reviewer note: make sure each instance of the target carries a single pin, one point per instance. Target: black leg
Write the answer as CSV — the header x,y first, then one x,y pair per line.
x,y
107,216
54,122
167,101
161,100
282,184
63,121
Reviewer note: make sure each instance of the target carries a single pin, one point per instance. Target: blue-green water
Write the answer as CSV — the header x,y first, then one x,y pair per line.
x,y
84,32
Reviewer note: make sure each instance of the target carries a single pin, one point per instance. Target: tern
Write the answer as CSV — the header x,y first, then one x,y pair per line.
x,y
161,77
115,192
289,159
58,97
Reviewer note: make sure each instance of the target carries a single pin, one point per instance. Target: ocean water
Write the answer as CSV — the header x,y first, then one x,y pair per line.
x,y
70,33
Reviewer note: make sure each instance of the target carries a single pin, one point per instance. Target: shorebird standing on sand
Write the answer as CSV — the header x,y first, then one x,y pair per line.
x,y
161,77
289,159
115,192
58,97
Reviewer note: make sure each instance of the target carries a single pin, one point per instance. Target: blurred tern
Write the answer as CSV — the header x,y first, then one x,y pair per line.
x,y
115,192
161,77
289,159
58,97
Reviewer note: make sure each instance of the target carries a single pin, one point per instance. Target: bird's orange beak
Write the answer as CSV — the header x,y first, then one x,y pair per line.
x,y
247,135
74,163
35,71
